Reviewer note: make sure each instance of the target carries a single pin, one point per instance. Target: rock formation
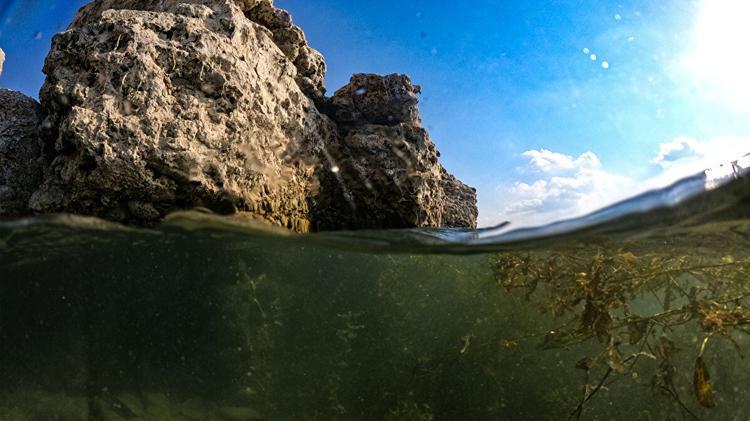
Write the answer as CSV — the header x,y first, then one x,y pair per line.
x,y
177,107
20,151
152,107
389,175
2,60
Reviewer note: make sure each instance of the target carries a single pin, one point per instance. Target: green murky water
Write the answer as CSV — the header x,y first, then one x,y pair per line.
x,y
208,318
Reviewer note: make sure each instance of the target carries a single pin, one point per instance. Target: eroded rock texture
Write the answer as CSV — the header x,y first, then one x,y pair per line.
x,y
20,151
156,106
181,106
389,174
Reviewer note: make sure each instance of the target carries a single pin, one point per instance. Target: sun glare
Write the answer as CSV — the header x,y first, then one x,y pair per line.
x,y
719,59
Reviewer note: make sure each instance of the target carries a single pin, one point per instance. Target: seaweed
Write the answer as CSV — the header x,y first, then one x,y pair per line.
x,y
631,302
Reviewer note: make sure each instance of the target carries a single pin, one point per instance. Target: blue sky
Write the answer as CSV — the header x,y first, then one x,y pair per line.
x,y
512,93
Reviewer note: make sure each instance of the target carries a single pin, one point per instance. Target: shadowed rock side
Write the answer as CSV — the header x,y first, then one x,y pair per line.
x,y
459,209
20,151
151,107
389,175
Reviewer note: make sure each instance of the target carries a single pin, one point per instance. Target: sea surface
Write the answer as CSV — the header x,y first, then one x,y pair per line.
x,y
640,311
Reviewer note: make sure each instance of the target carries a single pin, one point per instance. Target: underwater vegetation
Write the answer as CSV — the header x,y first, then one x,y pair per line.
x,y
208,317
640,304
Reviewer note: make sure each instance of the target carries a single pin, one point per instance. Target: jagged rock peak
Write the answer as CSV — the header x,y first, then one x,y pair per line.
x,y
289,38
376,99
390,166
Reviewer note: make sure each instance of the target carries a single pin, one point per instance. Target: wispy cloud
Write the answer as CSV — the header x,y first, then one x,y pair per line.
x,y
565,186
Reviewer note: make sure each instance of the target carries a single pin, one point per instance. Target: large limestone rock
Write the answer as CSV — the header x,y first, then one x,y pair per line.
x,y
389,175
290,39
156,106
178,106
20,151
311,67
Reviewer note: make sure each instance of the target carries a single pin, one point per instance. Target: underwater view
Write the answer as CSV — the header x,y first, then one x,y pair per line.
x,y
642,315
533,210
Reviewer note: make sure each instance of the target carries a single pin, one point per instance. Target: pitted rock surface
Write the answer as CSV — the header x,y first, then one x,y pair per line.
x,y
20,151
460,207
389,174
155,106
374,99
187,106
290,39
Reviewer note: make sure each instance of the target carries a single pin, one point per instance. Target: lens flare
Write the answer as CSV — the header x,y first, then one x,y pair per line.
x,y
719,59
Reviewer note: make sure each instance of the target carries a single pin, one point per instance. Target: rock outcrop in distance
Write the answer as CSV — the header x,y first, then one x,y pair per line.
x,y
151,107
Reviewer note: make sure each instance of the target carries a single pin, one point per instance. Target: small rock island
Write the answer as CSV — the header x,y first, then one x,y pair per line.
x,y
151,107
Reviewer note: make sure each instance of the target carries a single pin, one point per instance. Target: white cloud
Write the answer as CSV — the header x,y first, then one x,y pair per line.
x,y
548,161
685,152
678,149
567,186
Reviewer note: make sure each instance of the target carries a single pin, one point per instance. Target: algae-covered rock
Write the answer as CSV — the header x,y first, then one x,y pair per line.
x,y
238,413
157,406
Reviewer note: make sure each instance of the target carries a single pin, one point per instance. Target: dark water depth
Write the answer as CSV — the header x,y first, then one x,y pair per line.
x,y
638,312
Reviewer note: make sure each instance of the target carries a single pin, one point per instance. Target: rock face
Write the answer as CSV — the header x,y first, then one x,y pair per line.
x,y
20,151
460,207
177,107
389,175
152,107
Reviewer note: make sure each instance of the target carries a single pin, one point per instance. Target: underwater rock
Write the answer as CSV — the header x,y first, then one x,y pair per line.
x,y
183,106
394,178
152,107
20,151
232,413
